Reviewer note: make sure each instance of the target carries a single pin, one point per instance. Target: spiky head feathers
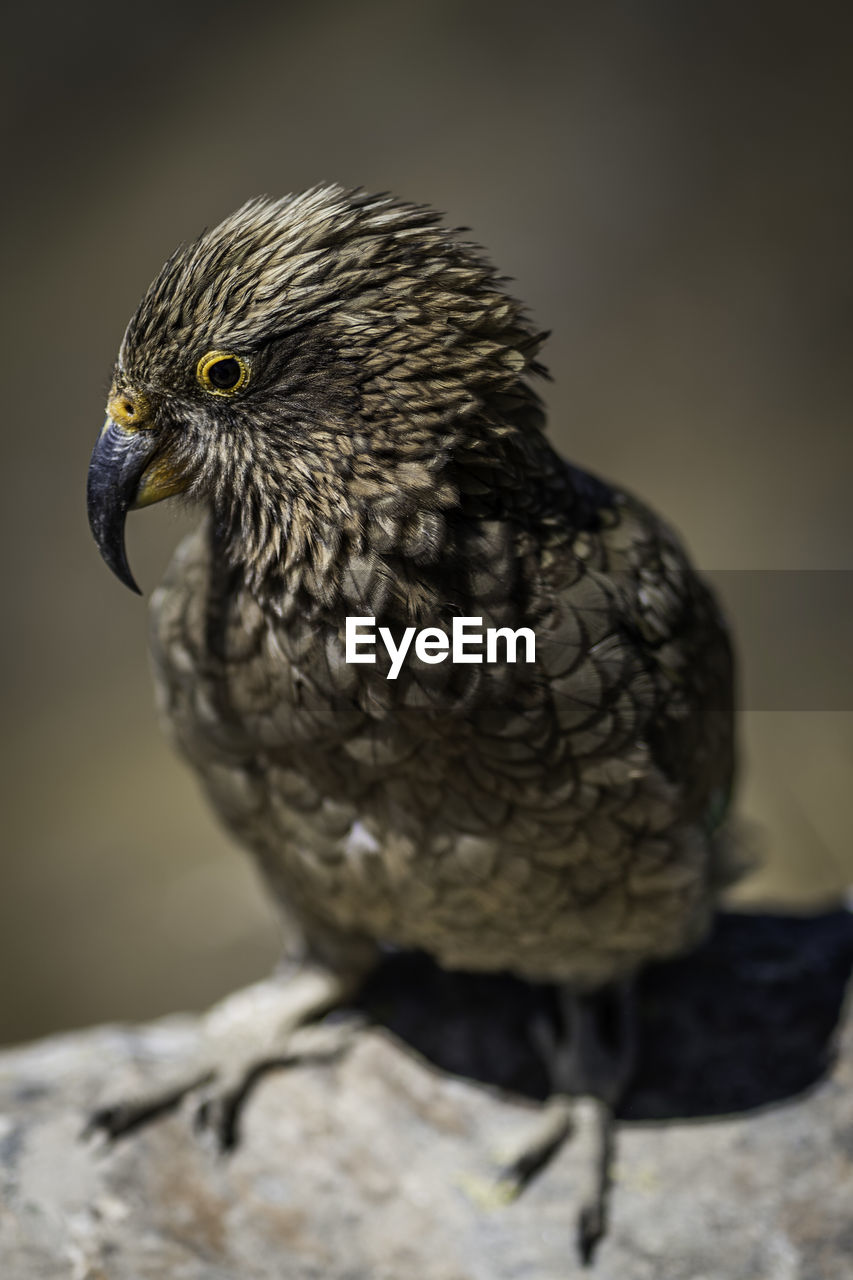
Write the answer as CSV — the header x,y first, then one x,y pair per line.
x,y
373,343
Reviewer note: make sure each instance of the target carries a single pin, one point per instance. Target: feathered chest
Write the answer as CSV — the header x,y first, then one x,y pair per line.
x,y
506,685
456,788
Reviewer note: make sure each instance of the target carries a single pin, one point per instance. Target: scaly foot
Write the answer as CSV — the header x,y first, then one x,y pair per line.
x,y
590,1063
268,1025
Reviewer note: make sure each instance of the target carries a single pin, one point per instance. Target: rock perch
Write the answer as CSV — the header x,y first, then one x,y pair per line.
x,y
367,1167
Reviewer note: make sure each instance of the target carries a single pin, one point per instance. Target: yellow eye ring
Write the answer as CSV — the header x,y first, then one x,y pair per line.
x,y
222,373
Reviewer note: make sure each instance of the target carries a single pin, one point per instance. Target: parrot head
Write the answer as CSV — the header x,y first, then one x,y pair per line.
x,y
305,367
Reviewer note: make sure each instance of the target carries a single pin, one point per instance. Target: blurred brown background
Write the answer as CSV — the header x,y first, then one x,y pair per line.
x,y
671,187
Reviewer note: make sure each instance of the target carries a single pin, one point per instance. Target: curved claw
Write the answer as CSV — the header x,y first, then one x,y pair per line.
x,y
117,1119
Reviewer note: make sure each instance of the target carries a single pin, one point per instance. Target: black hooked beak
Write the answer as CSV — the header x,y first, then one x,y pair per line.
x,y
118,461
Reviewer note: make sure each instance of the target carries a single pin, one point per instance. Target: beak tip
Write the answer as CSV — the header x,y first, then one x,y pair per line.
x,y
111,485
122,572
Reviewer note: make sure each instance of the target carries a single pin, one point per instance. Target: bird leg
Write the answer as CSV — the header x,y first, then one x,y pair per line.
x,y
590,1063
271,1024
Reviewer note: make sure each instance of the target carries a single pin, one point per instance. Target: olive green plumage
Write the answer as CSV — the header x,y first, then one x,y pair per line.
x,y
386,457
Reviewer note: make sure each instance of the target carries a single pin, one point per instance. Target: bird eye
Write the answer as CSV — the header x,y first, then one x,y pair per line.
x,y
221,373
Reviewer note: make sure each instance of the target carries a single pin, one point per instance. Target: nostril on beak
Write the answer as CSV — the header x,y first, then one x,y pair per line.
x,y
128,408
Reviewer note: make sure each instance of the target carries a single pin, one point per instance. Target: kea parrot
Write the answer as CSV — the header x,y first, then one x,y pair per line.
x,y
345,389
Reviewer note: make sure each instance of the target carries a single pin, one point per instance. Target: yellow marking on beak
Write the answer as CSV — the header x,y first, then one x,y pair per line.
x,y
130,410
159,480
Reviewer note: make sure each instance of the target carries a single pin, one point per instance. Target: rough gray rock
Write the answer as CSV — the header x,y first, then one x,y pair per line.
x,y
367,1168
